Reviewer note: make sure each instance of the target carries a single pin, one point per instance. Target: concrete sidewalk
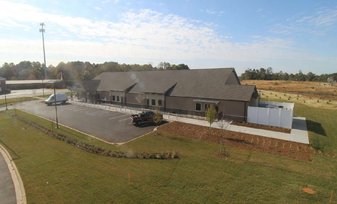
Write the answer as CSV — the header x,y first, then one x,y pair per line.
x,y
298,133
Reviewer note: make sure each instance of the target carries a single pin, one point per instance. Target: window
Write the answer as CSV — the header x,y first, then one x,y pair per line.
x,y
113,98
117,98
207,106
198,106
153,102
160,103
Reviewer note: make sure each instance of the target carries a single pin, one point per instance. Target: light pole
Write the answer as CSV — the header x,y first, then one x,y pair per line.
x,y
57,121
44,54
6,100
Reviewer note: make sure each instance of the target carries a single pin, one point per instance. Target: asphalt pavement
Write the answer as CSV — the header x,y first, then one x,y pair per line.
x,y
111,126
7,190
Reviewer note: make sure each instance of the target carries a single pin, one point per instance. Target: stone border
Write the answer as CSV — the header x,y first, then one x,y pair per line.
x,y
17,181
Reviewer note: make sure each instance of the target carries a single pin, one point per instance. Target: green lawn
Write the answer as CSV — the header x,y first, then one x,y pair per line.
x,y
14,100
75,176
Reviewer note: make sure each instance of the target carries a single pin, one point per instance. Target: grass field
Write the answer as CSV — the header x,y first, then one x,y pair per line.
x,y
75,176
306,89
10,101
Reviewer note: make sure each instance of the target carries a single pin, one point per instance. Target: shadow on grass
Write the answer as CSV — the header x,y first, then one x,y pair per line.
x,y
8,148
315,127
238,140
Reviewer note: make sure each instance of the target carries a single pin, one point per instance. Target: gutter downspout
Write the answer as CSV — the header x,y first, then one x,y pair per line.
x,y
245,113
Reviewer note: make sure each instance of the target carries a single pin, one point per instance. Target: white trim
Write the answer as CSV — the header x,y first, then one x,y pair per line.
x,y
205,101
196,107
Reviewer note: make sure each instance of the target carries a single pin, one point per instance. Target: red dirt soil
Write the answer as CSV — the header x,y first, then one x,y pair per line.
x,y
277,147
264,127
308,190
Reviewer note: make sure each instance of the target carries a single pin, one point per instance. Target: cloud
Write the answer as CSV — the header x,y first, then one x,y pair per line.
x,y
318,23
210,11
142,34
97,8
106,1
327,18
259,10
305,18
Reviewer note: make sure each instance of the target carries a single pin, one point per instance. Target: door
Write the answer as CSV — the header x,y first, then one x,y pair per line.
x,y
147,103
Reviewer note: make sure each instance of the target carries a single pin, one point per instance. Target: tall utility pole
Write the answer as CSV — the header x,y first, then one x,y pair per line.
x,y
44,55
57,120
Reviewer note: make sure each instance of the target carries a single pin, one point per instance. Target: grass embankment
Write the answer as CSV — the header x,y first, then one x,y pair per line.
x,y
10,101
76,176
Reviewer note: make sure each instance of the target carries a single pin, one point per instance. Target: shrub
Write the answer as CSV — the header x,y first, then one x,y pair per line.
x,y
317,144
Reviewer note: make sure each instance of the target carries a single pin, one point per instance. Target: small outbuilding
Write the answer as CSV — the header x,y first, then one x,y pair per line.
x,y
3,88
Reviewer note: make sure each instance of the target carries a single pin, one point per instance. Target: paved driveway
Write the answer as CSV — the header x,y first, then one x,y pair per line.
x,y
108,125
7,191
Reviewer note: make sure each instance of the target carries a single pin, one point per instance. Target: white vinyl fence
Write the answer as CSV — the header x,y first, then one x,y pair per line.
x,y
272,113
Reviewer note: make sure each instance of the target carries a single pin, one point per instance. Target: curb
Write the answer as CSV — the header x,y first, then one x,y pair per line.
x,y
17,181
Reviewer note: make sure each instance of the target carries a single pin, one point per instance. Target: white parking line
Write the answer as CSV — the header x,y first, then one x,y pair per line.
x,y
120,116
124,120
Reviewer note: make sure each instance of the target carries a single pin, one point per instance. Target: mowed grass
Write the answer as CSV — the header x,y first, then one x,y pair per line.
x,y
321,124
10,101
75,176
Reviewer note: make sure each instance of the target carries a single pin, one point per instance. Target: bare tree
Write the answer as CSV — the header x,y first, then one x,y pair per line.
x,y
223,124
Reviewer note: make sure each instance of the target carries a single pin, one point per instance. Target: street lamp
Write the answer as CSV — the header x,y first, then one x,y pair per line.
x,y
44,55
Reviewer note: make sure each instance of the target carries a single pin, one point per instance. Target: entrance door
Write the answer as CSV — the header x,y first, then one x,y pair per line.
x,y
147,103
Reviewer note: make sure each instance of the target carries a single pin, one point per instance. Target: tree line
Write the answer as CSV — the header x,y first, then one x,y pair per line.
x,y
76,70
268,74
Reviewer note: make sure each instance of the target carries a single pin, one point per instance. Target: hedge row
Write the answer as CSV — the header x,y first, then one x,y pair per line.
x,y
94,149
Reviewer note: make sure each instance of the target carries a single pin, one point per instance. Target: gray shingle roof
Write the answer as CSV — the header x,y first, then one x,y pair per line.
x,y
87,85
198,83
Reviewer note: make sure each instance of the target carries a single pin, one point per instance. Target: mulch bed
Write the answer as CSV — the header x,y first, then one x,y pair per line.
x,y
264,127
277,147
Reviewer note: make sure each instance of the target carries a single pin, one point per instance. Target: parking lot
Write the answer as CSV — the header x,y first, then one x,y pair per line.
x,y
108,125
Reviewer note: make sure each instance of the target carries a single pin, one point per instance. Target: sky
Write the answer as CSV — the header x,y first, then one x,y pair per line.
x,y
286,35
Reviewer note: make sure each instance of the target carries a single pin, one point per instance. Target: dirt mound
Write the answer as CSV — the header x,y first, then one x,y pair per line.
x,y
242,140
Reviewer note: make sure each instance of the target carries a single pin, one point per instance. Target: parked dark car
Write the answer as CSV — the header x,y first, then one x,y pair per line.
x,y
144,117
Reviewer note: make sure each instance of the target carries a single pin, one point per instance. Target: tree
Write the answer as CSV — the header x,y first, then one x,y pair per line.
x,y
311,76
157,118
223,125
31,77
211,116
